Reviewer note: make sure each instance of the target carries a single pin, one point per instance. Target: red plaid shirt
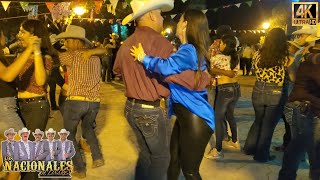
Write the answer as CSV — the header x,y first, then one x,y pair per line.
x,y
83,75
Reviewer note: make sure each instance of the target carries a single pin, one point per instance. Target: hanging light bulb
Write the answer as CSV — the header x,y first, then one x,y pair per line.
x,y
266,25
79,11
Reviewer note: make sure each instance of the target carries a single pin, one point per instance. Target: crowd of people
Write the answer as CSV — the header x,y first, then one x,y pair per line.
x,y
195,81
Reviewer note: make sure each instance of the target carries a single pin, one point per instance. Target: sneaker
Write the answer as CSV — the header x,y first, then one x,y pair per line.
x,y
97,163
214,154
235,145
84,145
79,174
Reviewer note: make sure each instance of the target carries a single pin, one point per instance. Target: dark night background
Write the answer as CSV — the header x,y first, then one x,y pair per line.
x,y
242,18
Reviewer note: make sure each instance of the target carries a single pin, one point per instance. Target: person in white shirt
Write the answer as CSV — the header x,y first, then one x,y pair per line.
x,y
54,145
41,148
8,145
246,59
24,149
67,148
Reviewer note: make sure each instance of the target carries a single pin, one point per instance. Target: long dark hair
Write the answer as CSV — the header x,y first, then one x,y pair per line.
x,y
230,50
274,51
197,33
37,28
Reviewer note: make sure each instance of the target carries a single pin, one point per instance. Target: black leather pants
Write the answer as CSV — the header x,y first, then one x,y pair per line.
x,y
189,138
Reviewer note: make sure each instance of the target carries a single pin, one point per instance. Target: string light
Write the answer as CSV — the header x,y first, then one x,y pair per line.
x,y
79,11
168,30
266,25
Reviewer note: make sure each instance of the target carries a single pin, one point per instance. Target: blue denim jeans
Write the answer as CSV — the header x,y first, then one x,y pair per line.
x,y
226,99
211,90
9,117
268,101
152,129
86,112
314,150
301,130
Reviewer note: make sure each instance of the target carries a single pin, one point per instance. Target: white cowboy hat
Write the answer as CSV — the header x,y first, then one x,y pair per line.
x,y
140,7
64,131
23,130
50,130
11,130
75,32
315,36
53,39
305,30
37,131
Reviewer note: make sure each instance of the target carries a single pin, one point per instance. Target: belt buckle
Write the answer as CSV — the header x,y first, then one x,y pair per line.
x,y
163,104
147,106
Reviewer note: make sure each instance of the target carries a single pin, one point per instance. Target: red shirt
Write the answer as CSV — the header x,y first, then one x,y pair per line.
x,y
27,80
139,83
83,77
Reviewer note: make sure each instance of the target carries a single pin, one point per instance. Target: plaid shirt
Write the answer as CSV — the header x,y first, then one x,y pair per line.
x,y
83,75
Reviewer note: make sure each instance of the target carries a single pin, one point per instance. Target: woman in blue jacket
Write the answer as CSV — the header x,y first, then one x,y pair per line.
x,y
195,118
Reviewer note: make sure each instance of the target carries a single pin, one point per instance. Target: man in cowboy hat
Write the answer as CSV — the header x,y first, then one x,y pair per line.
x,y
304,102
114,49
24,149
83,101
298,56
41,147
54,145
8,145
67,148
144,91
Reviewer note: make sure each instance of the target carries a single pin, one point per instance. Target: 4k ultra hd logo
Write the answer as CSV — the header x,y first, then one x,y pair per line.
x,y
304,13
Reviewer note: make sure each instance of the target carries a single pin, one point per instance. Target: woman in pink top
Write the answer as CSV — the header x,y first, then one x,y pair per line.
x,y
32,80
